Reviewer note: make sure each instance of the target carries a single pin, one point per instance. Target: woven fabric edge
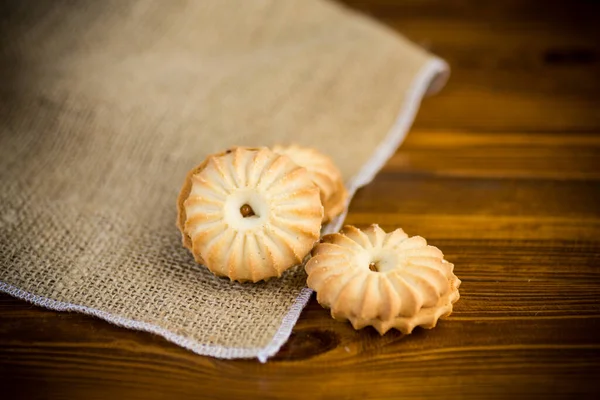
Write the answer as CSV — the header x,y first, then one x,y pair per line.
x,y
420,86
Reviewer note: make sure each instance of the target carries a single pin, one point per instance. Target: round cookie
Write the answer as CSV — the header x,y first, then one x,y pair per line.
x,y
386,280
324,174
250,214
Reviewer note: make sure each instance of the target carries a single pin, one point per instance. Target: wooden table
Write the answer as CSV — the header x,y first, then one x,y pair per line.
x,y
501,171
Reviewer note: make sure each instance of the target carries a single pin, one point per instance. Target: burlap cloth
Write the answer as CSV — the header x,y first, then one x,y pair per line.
x,y
104,106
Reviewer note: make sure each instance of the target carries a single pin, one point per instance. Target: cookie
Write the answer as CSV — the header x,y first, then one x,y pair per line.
x,y
249,213
324,174
385,280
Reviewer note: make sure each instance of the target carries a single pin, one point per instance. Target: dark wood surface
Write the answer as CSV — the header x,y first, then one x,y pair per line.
x,y
501,171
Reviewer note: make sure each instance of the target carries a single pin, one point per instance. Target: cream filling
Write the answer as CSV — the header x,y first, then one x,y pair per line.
x,y
234,203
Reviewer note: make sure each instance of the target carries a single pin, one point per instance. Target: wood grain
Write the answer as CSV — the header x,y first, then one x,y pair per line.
x,y
502,172
518,65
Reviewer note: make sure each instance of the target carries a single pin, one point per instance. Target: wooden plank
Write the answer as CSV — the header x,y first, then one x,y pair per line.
x,y
567,156
322,357
516,65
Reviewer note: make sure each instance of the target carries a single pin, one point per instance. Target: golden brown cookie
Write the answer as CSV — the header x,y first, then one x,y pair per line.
x,y
250,214
386,280
325,175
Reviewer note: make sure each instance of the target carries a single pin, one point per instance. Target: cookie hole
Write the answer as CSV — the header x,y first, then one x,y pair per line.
x,y
247,211
373,267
